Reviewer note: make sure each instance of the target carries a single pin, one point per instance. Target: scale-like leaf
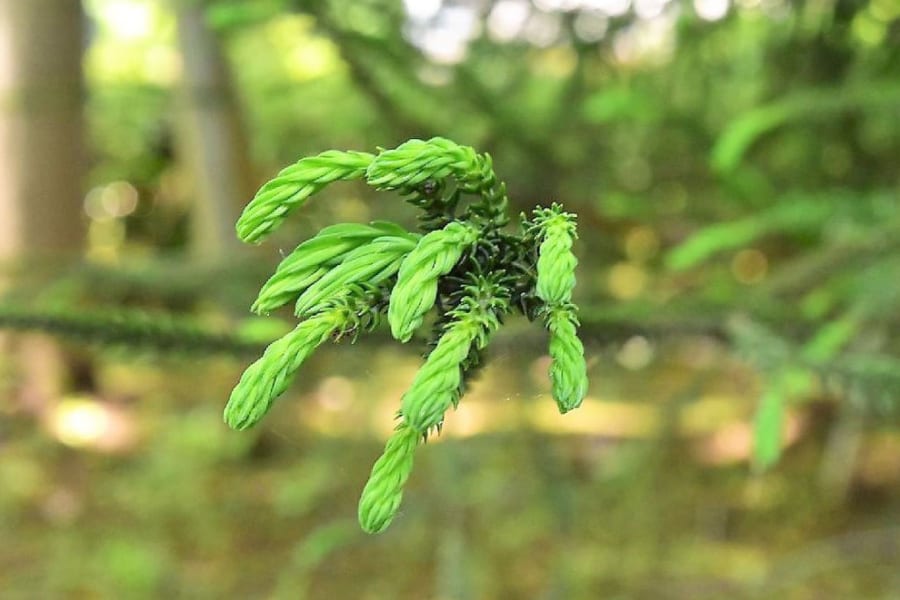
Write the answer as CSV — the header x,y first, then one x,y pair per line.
x,y
312,259
370,264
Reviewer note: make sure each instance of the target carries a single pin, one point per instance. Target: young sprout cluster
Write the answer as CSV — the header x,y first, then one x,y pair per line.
x,y
464,266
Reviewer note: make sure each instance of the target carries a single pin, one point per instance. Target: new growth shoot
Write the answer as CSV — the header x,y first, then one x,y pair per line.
x,y
467,268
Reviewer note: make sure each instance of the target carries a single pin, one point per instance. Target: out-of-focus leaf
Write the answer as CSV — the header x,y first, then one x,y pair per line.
x,y
310,552
790,215
262,330
620,104
733,144
226,15
830,339
323,541
767,428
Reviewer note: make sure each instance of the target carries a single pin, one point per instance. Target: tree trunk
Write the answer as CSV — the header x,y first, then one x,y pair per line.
x,y
212,140
41,143
42,161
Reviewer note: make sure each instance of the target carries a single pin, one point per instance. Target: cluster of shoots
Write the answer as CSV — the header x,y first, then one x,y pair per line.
x,y
463,270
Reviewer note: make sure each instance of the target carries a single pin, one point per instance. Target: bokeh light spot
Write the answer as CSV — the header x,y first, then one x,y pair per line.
x,y
129,20
711,10
626,281
641,243
80,423
335,393
868,29
591,26
749,266
613,8
422,10
636,353
507,19
543,29
649,9
112,201
311,59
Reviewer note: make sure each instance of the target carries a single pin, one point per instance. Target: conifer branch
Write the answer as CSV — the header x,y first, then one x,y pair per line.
x,y
555,281
348,276
127,328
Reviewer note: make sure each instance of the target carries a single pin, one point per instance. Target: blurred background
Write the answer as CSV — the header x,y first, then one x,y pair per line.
x,y
734,167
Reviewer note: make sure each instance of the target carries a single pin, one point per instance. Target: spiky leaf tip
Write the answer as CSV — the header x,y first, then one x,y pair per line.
x,y
293,186
273,372
568,370
415,292
383,493
436,386
556,262
417,161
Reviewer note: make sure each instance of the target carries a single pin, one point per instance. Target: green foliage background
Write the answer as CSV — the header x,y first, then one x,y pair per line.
x,y
738,194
